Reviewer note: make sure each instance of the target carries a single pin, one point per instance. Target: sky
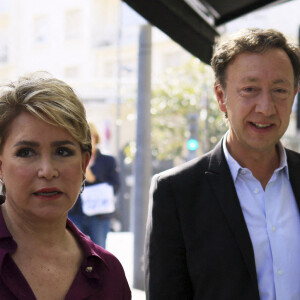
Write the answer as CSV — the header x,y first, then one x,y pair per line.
x,y
284,17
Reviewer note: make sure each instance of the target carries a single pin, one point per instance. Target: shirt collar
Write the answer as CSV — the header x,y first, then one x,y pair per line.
x,y
95,261
90,249
235,167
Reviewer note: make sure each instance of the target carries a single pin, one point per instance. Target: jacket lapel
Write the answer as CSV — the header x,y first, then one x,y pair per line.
x,y
220,180
293,160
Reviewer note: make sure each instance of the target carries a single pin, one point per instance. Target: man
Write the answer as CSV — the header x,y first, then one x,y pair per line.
x,y
227,225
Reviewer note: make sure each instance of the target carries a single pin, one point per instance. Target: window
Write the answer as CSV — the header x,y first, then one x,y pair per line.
x,y
71,72
41,29
3,52
110,69
73,24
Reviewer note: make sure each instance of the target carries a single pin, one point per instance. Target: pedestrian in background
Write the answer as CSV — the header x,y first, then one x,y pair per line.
x,y
101,169
226,225
45,148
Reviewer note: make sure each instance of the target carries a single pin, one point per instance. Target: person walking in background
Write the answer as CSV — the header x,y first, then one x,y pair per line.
x,y
226,225
45,147
101,169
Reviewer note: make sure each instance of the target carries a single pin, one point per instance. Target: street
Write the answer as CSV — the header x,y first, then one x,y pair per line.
x,y
121,245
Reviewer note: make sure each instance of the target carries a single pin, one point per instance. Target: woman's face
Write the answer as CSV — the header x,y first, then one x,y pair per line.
x,y
42,168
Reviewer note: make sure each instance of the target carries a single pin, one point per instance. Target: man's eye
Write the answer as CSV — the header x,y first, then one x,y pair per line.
x,y
249,89
25,152
281,91
63,151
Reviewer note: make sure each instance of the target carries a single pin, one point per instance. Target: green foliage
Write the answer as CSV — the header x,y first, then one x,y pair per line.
x,y
183,90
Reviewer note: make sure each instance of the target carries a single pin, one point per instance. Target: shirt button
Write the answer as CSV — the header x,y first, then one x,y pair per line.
x,y
273,228
89,269
256,191
243,172
279,272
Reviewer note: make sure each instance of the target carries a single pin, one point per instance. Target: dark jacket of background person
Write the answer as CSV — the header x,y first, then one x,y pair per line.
x,y
97,227
202,247
105,170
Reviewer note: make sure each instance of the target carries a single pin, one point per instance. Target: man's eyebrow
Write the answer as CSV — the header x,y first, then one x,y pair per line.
x,y
282,81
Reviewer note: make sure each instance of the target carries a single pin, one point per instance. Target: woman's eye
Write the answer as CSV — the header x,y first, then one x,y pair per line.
x,y
63,151
25,152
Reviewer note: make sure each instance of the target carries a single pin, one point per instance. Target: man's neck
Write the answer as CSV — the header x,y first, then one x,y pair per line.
x,y
261,164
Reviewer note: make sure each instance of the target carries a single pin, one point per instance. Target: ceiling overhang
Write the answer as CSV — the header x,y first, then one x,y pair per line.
x,y
193,23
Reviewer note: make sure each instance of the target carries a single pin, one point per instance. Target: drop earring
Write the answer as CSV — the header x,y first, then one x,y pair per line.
x,y
2,191
83,184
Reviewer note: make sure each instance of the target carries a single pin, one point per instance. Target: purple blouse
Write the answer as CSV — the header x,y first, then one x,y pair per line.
x,y
100,276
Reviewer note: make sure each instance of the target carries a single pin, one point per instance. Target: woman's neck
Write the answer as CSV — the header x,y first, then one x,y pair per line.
x,y
24,229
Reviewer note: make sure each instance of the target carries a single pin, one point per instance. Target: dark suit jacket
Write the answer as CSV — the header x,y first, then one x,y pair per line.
x,y
197,241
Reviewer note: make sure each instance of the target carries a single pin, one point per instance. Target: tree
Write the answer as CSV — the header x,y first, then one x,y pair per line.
x,y
182,91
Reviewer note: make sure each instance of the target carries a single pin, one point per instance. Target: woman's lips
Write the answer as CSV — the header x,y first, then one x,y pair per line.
x,y
47,192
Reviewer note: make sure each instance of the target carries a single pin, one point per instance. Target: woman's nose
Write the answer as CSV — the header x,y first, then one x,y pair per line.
x,y
47,169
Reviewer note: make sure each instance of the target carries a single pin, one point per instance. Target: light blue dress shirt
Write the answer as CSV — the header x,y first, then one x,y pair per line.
x,y
272,218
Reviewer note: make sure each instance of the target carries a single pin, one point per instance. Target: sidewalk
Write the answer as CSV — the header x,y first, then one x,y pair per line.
x,y
121,245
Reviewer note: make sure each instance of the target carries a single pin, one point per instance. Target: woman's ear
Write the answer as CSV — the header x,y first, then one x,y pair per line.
x,y
221,97
85,160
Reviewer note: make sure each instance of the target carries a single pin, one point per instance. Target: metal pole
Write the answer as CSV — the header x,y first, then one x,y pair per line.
x,y
118,87
142,167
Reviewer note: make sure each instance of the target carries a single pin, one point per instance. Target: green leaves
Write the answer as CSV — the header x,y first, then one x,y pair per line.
x,y
183,90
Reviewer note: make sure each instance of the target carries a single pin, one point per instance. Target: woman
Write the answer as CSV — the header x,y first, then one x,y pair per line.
x,y
45,147
101,169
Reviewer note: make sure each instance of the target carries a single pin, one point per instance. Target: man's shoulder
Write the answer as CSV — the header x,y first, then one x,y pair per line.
x,y
190,169
293,157
291,153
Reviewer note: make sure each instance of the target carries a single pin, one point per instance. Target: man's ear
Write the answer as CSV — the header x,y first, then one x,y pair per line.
x,y
1,166
296,91
221,97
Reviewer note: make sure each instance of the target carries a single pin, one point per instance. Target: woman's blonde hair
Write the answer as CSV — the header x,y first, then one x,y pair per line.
x,y
48,99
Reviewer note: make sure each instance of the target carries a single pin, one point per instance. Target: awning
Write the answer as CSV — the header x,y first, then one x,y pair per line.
x,y
193,23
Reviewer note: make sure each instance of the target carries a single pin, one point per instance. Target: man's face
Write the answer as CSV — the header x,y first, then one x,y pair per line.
x,y
258,99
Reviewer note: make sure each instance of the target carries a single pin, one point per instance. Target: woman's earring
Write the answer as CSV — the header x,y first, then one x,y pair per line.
x,y
83,184
2,192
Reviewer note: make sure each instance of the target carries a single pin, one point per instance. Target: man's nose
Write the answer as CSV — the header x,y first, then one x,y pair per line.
x,y
47,169
265,104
